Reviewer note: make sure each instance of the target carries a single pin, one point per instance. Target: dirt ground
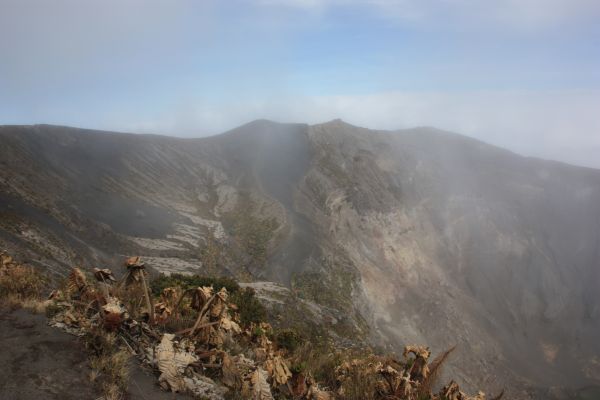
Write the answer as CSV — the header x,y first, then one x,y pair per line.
x,y
38,362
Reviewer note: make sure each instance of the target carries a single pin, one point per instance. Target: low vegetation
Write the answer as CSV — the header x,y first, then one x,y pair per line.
x,y
208,337
21,286
109,361
192,281
248,307
249,231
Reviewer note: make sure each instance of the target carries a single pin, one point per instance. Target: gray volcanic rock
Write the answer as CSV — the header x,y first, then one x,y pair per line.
x,y
413,236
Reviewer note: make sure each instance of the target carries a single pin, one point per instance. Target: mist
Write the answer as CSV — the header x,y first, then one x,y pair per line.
x,y
520,75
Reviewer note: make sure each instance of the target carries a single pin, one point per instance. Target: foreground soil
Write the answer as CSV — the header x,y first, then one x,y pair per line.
x,y
41,362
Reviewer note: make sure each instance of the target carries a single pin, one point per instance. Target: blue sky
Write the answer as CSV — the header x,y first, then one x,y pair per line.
x,y
523,74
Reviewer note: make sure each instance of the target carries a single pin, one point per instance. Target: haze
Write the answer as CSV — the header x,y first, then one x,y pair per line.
x,y
524,75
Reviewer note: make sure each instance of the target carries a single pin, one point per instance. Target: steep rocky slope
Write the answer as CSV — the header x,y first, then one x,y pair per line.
x,y
413,236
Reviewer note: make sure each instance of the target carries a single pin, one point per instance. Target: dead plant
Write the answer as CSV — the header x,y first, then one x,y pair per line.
x,y
435,370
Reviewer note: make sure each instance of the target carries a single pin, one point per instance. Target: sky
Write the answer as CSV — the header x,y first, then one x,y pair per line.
x,y
521,74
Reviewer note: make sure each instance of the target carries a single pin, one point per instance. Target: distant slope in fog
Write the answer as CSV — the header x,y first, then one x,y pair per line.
x,y
416,235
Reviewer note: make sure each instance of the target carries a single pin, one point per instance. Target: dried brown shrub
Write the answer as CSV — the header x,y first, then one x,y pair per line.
x,y
19,283
435,369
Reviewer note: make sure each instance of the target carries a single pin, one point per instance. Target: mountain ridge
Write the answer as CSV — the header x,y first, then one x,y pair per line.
x,y
424,128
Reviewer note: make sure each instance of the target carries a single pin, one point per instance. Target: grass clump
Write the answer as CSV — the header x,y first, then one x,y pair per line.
x,y
109,363
21,281
21,286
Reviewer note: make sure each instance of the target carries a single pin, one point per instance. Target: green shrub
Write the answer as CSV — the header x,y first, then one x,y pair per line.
x,y
320,361
250,309
289,339
249,231
298,368
258,331
193,281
